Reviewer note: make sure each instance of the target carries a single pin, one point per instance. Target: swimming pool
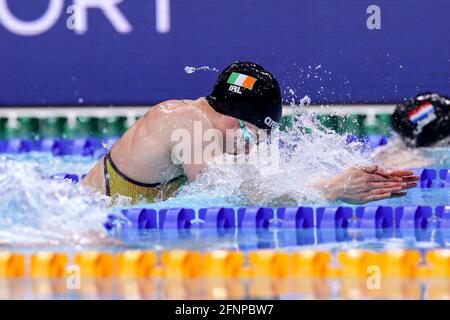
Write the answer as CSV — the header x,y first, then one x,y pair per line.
x,y
41,214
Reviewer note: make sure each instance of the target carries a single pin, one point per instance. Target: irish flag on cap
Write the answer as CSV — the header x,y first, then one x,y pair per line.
x,y
241,80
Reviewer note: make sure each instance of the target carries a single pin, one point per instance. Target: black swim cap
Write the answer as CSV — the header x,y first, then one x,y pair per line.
x,y
248,92
424,120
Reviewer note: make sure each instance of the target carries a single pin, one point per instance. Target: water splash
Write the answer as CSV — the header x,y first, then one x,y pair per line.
x,y
308,153
396,155
191,70
50,164
35,210
318,76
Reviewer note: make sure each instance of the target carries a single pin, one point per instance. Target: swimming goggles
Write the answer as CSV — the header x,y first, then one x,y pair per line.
x,y
248,135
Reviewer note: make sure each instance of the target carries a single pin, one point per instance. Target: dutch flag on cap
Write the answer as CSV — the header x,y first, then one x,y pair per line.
x,y
421,112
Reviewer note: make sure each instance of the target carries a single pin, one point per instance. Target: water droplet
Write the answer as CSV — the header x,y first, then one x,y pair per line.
x,y
190,70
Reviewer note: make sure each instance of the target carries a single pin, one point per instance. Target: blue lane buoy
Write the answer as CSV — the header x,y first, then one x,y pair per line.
x,y
65,176
296,217
217,218
176,218
375,217
334,217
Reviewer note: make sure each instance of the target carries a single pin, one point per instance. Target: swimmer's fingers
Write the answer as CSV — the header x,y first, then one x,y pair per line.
x,y
393,173
371,168
411,185
386,184
402,185
375,169
379,178
385,190
378,197
410,178
386,195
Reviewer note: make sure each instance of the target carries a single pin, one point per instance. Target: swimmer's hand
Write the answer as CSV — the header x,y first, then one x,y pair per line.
x,y
360,185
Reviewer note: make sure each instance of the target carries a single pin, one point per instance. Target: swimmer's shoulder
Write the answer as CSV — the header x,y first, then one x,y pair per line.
x,y
169,107
179,111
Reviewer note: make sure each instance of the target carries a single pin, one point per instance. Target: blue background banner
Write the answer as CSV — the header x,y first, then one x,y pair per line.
x,y
134,52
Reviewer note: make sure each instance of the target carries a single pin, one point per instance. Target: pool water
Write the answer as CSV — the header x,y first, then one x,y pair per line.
x,y
28,219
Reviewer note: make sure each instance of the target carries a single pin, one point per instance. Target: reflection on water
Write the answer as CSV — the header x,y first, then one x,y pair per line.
x,y
226,288
286,239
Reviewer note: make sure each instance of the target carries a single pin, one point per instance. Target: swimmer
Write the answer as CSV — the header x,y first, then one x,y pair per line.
x,y
245,106
423,121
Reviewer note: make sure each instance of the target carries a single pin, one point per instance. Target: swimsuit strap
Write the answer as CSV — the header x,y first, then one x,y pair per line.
x,y
128,179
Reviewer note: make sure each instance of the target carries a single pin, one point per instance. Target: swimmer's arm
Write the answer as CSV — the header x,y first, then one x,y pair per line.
x,y
192,161
361,185
192,171
95,178
354,186
194,164
252,192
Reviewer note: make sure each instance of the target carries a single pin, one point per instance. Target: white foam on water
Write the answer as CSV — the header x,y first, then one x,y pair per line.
x,y
396,155
37,210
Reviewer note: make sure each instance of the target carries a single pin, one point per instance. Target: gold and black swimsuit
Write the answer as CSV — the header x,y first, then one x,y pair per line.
x,y
118,183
